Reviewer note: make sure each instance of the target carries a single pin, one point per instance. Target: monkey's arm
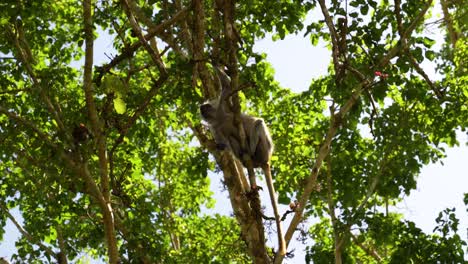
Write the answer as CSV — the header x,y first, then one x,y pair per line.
x,y
222,142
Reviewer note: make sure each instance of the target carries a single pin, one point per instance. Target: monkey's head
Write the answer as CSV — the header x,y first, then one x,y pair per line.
x,y
208,111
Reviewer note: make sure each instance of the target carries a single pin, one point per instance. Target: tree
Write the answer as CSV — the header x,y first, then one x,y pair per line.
x,y
112,159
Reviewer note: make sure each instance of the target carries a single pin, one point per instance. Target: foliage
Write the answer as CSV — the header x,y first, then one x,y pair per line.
x,y
110,158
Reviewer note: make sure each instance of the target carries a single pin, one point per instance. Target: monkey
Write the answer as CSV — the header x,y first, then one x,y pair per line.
x,y
258,146
81,134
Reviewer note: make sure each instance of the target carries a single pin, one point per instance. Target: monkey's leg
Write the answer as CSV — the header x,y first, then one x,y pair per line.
x,y
274,204
248,164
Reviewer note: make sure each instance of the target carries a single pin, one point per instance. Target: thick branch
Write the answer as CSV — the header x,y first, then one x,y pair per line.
x,y
252,223
252,232
100,137
62,255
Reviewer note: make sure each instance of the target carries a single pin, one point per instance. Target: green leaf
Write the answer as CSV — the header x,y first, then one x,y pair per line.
x,y
364,9
119,105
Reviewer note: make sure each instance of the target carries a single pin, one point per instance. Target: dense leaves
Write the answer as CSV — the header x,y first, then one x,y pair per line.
x,y
108,158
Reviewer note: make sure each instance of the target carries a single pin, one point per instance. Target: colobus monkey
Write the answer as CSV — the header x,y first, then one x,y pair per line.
x,y
259,145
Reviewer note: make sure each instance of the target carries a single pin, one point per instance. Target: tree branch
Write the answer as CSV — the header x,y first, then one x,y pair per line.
x,y
421,72
370,251
453,34
100,136
333,34
406,34
412,60
331,210
154,53
26,57
27,123
25,233
198,44
128,52
62,255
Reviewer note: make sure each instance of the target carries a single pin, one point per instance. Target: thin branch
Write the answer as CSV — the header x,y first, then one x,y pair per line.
x,y
198,46
333,34
128,52
25,233
370,251
331,208
15,91
406,34
453,35
27,123
25,56
421,72
397,13
186,36
63,155
140,110
412,60
154,53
